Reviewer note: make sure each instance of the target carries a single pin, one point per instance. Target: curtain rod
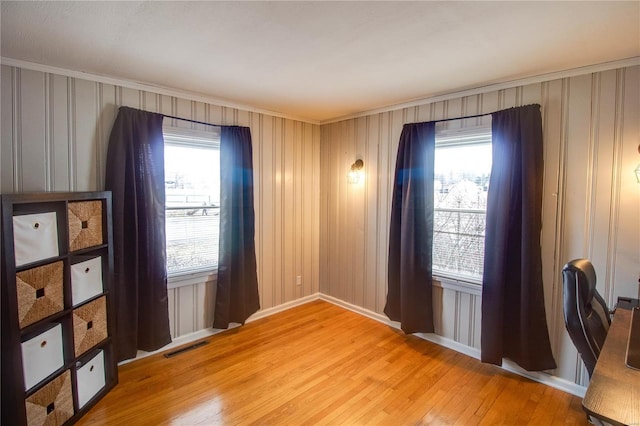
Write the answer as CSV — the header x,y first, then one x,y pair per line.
x,y
218,125
436,121
192,121
462,118
478,115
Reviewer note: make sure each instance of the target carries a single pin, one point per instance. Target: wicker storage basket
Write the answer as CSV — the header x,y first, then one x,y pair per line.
x,y
85,224
40,292
89,325
53,404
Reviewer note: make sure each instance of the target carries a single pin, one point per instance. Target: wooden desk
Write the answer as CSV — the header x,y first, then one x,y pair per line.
x,y
613,394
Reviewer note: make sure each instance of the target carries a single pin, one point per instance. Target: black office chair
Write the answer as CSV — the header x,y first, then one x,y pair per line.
x,y
586,315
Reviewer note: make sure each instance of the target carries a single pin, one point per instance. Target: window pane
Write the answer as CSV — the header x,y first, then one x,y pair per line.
x,y
460,200
462,176
458,242
192,184
192,239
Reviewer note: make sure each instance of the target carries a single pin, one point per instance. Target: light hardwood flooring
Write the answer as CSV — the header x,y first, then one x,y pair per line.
x,y
321,364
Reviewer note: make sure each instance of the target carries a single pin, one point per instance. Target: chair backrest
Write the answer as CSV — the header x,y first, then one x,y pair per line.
x,y
586,315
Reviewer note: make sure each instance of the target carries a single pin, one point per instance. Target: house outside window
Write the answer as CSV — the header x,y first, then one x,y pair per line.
x,y
462,170
192,209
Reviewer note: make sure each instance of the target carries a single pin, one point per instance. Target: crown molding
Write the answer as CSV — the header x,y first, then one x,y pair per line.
x,y
191,96
573,72
606,66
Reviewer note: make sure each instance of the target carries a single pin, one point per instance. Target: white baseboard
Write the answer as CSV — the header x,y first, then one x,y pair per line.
x,y
544,378
434,338
287,305
179,341
200,334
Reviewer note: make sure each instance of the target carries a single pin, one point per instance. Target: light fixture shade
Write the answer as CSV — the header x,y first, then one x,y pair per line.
x,y
637,170
355,174
353,177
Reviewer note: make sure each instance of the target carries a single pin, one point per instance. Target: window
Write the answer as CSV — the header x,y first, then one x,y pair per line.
x,y
192,187
462,169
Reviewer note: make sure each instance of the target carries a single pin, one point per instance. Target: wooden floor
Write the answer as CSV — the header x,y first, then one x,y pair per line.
x,y
321,364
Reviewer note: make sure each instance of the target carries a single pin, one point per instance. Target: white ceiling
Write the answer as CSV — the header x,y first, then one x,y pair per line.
x,y
319,60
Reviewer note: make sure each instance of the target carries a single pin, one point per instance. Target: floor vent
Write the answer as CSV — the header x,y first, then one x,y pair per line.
x,y
185,349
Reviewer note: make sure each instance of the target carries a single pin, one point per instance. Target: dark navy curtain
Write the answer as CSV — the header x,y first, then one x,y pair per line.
x,y
409,298
135,176
237,288
514,323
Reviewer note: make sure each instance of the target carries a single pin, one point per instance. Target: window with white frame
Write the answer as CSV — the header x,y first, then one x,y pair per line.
x,y
192,209
461,172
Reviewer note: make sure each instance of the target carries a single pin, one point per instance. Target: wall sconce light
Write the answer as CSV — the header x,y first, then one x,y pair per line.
x,y
637,170
355,174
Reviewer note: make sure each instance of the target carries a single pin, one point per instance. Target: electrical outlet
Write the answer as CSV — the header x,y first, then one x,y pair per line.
x,y
299,280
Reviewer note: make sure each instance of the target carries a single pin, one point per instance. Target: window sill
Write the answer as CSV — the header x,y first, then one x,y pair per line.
x,y
464,285
190,278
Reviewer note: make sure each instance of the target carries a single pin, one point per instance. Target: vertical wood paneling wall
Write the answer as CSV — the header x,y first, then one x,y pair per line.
x,y
55,134
311,222
591,201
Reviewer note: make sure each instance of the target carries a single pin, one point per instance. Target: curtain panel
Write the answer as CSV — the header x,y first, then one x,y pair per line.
x,y
135,176
237,287
514,323
409,293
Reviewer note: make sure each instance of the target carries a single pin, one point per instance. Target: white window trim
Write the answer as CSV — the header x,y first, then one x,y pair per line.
x,y
473,135
191,137
185,279
467,284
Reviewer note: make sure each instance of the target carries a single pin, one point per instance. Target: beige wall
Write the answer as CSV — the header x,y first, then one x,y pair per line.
x,y
591,204
55,132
